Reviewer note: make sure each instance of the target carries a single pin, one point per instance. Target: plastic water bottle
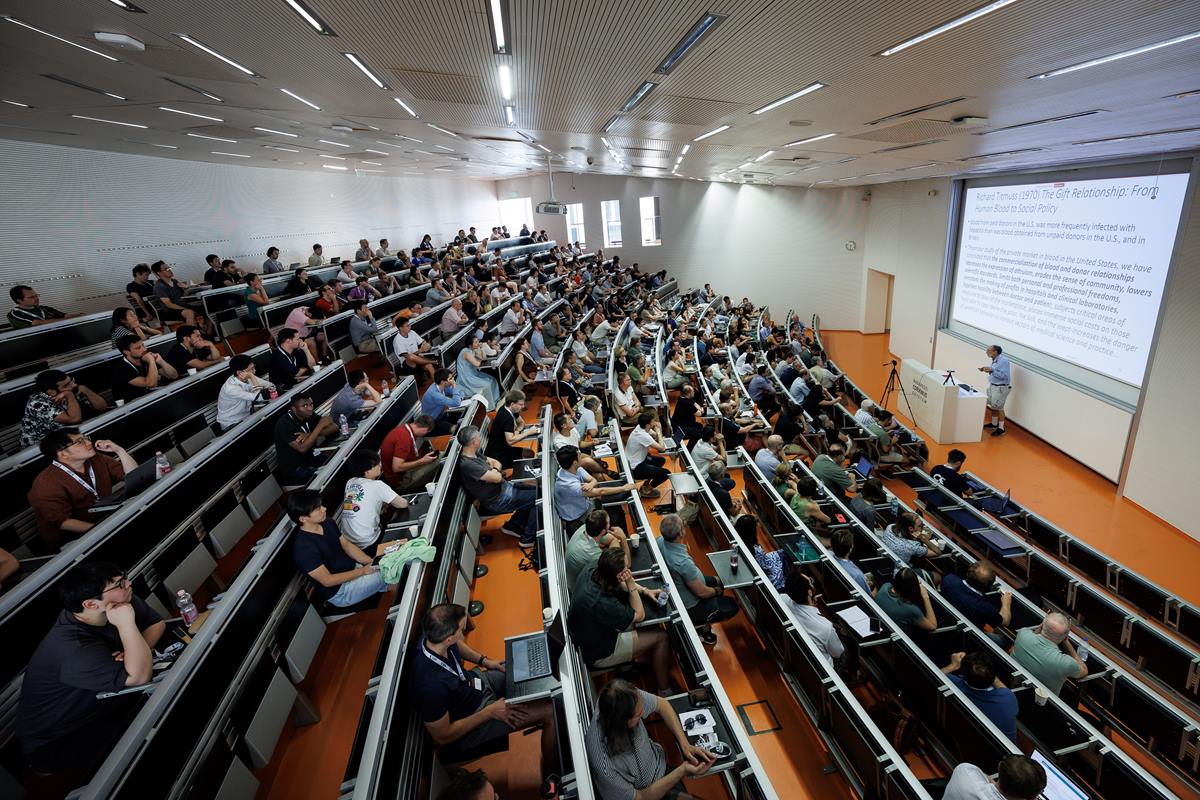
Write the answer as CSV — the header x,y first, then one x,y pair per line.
x,y
733,561
187,607
1084,650
665,595
895,506
387,390
343,425
162,466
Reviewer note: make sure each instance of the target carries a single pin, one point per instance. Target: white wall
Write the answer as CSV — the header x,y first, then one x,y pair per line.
x,y
906,237
84,218
784,246
1160,476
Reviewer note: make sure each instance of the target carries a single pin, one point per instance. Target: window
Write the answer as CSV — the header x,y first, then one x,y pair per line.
x,y
575,224
515,212
611,211
651,222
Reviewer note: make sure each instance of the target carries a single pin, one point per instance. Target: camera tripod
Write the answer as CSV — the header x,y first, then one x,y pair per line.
x,y
894,383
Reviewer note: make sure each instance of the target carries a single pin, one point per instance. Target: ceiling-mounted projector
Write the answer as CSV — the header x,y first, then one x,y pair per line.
x,y
119,40
552,207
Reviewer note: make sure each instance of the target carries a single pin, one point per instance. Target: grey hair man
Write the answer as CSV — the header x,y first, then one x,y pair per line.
x,y
1047,653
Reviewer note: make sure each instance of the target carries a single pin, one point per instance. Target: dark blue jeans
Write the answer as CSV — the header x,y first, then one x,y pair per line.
x,y
522,502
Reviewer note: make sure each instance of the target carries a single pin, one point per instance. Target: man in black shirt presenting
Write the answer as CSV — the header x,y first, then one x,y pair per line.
x,y
101,642
948,474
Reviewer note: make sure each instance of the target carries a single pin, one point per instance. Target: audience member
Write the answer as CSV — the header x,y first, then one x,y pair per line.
x,y
588,540
468,785
908,539
710,449
771,561
842,545
296,435
362,328
139,291
441,396
290,361
970,596
364,499
125,322
74,480
255,297
829,469
318,256
239,392
862,505
102,641
356,396
624,761
483,481
975,676
703,595
57,402
138,370
192,351
1019,778
168,293
509,431
1047,653
575,489
341,572
464,709
641,451
626,400
29,311
384,249
801,598
272,265
411,349
471,378
950,474
408,459
771,456
907,603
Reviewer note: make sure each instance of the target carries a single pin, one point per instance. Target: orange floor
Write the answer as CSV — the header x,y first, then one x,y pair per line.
x,y
1046,480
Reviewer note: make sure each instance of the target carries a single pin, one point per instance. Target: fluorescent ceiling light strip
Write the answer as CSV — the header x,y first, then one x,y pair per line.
x,y
767,154
918,166
678,160
1046,121
373,164
610,147
370,170
335,166
442,169
16,21
377,152
195,89
120,3
17,103
872,174
810,139
164,146
542,147
504,72
278,133
842,161
284,149
414,173
713,132
336,158
111,121
612,121
407,138
335,144
685,149
292,94
498,39
508,115
638,95
356,61
310,17
212,138
387,144
443,147
690,40
812,87
201,46
948,26
190,113
1137,51
442,130
1139,136
747,164
235,155
423,152
405,106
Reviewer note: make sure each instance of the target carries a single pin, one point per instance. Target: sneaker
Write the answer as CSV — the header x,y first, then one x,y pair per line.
x,y
709,638
998,432
527,542
990,425
650,493
512,533
551,787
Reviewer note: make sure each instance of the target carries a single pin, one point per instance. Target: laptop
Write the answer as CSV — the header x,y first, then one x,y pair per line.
x,y
1058,787
136,482
864,467
535,655
995,504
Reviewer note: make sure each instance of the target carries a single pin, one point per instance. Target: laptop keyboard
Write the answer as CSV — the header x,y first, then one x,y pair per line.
x,y
536,656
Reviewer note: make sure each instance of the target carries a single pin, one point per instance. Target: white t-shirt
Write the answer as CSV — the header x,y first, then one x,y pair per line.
x,y
705,454
819,629
360,509
637,448
624,398
557,440
969,782
407,344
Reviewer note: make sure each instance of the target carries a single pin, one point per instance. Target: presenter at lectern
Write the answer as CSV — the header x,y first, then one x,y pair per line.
x,y
999,377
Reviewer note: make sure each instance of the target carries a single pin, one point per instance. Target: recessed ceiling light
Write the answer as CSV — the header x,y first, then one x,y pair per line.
x,y
277,133
1139,136
310,16
83,86
356,61
387,144
810,139
678,160
335,158
127,6
1002,153
442,169
498,18
212,138
713,132
639,94
373,164
947,26
767,154
335,144
613,121
205,48
609,146
335,166
414,173
16,21
443,147
284,149
703,27
369,170
508,116
423,152
407,138
442,130
190,114
828,180
405,106
872,174
292,94
918,166
840,161
505,75
195,89
235,155
542,147
1046,121
164,146
1137,51
685,149
812,87
111,121
377,152
17,103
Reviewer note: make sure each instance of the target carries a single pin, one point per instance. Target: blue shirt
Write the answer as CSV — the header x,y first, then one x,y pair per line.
x,y
974,606
537,345
1001,371
997,704
759,387
435,401
799,390
854,572
569,500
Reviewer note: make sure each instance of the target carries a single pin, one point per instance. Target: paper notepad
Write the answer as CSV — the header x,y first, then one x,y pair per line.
x,y
602,450
857,619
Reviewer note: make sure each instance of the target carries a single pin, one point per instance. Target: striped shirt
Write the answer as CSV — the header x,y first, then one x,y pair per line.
x,y
25,317
621,775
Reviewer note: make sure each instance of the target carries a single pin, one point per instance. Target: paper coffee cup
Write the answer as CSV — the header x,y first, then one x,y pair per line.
x,y
191,370
430,487
635,541
1040,696
120,403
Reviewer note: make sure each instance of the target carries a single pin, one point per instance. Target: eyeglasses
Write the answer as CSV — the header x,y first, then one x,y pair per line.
x,y
79,440
122,582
